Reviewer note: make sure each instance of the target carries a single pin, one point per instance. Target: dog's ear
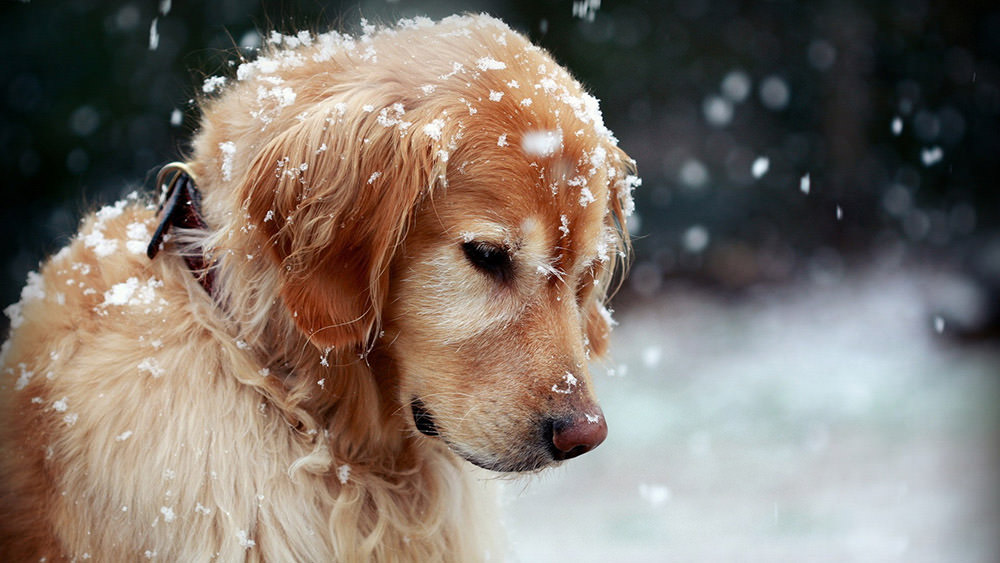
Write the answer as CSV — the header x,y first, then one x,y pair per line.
x,y
598,328
331,198
597,318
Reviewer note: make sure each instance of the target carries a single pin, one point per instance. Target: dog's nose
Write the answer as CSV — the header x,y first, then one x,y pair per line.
x,y
578,434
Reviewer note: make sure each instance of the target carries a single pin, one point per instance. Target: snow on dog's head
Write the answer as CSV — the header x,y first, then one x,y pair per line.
x,y
442,195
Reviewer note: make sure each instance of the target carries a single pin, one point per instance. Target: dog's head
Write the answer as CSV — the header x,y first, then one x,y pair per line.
x,y
446,196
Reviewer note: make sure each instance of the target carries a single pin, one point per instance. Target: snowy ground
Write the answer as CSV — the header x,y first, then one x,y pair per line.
x,y
818,423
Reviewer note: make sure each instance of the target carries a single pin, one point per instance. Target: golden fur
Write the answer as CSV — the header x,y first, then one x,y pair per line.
x,y
343,179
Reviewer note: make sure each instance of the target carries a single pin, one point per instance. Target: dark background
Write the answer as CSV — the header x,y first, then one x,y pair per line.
x,y
695,90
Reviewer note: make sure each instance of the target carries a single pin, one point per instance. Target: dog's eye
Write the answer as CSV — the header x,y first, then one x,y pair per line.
x,y
492,260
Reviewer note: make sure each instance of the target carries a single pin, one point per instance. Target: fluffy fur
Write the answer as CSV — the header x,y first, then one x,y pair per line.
x,y
347,184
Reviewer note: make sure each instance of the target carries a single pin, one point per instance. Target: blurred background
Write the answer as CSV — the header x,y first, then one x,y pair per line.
x,y
807,364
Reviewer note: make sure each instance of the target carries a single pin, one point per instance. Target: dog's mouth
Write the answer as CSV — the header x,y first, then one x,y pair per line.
x,y
530,459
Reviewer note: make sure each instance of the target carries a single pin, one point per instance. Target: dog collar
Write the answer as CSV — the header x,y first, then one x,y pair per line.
x,y
181,207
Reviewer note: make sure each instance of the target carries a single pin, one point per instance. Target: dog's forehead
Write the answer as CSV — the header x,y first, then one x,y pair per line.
x,y
513,197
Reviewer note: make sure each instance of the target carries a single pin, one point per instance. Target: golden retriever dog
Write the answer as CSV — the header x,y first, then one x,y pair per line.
x,y
382,264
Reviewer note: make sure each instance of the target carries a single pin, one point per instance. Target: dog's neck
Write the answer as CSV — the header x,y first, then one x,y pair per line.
x,y
340,392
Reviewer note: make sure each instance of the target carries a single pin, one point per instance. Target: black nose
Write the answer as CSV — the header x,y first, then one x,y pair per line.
x,y
576,434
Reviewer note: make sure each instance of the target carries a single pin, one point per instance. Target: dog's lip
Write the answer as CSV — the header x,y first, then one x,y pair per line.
x,y
424,421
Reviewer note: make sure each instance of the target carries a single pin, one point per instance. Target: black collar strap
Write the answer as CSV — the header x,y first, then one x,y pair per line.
x,y
181,207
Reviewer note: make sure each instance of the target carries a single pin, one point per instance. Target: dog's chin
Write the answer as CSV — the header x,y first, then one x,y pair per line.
x,y
530,459
523,463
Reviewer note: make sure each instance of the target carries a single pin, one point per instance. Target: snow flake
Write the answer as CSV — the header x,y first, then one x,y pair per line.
x,y
228,149
24,377
152,366
455,69
938,324
586,197
102,247
285,96
774,93
760,166
111,211
736,86
495,96
343,473
625,187
502,140
367,29
489,63
696,239
154,36
138,238
60,405
33,290
386,120
651,356
199,508
123,436
70,419
896,126
804,184
693,174
168,514
570,382
718,111
593,418
654,494
244,539
931,155
213,83
586,9
563,226
434,129
542,143
130,292
373,177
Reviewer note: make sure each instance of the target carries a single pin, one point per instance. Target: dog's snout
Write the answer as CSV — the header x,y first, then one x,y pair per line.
x,y
577,434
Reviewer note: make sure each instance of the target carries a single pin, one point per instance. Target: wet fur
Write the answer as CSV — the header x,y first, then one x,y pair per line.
x,y
143,418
